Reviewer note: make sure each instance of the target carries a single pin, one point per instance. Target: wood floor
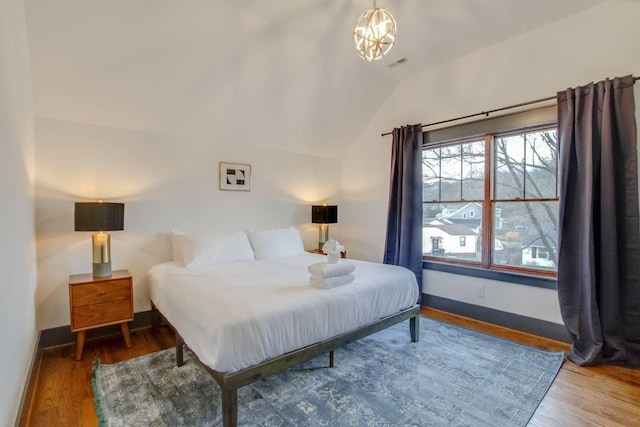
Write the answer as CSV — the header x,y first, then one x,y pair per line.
x,y
597,396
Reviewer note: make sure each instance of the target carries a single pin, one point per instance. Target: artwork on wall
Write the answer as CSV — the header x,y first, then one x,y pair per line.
x,y
235,177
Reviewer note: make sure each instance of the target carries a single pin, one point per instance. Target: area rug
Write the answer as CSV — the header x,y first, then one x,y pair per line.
x,y
452,377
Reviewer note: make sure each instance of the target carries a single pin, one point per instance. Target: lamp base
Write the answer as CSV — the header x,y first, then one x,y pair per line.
x,y
102,269
101,243
323,235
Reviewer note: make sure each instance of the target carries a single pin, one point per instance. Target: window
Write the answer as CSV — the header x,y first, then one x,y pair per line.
x,y
495,192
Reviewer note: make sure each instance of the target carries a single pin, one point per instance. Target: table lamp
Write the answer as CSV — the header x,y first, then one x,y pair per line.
x,y
100,217
324,215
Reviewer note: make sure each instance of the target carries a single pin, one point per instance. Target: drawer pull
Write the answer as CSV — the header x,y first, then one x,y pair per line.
x,y
102,293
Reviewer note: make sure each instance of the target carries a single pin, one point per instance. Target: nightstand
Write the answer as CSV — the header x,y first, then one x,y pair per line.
x,y
343,254
100,301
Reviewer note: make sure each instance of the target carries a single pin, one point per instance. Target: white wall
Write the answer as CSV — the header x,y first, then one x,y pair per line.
x,y
601,42
167,182
17,250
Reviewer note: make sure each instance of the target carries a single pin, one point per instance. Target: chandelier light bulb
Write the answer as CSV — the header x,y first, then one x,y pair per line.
x,y
375,34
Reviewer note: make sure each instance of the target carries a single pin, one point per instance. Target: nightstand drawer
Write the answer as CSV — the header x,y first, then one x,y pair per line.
x,y
92,293
100,314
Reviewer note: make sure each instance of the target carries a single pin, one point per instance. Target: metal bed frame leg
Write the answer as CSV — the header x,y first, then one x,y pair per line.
x,y
414,328
230,407
155,317
179,350
331,364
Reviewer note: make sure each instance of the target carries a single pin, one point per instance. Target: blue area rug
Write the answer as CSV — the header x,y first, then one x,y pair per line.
x,y
452,377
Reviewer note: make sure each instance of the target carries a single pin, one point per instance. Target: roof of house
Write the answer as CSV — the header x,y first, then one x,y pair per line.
x,y
453,229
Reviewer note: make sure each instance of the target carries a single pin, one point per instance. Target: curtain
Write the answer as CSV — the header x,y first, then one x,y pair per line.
x,y
599,256
403,244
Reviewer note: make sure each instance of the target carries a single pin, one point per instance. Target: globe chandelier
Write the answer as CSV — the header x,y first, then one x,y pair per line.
x,y
375,33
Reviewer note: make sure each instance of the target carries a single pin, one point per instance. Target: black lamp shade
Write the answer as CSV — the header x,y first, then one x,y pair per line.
x,y
324,214
99,216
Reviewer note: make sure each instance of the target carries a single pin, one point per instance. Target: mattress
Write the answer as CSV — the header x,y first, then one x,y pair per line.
x,y
237,315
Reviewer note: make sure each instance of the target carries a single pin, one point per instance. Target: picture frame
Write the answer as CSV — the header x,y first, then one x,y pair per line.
x,y
235,176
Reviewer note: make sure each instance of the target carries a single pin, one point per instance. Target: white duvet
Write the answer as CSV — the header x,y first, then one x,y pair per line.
x,y
237,315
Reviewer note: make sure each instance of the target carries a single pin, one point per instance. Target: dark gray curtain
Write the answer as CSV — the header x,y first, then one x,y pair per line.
x,y
404,223
599,256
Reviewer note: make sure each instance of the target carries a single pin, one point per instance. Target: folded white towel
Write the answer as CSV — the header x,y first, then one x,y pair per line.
x,y
333,257
333,249
330,282
332,246
326,269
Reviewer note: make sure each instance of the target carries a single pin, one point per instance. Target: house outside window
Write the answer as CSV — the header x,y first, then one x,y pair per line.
x,y
496,191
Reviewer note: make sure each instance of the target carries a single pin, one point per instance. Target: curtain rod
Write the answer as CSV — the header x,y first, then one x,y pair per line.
x,y
486,113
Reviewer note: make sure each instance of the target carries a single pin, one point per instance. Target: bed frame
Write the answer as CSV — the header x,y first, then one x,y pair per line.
x,y
230,382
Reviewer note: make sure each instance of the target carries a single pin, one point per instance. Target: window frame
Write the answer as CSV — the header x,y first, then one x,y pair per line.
x,y
518,123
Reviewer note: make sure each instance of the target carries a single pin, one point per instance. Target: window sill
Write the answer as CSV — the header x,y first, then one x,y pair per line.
x,y
502,276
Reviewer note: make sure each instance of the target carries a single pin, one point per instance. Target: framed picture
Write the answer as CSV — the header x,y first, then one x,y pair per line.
x,y
235,177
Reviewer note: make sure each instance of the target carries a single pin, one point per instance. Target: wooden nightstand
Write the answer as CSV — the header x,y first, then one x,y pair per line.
x,y
343,254
100,301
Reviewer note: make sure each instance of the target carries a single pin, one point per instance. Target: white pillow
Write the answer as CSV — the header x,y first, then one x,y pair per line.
x,y
213,249
278,243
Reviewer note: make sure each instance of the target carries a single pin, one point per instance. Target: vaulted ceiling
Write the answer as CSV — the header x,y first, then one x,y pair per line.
x,y
283,73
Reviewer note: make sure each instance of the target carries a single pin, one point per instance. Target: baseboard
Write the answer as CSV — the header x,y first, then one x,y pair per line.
x,y
526,324
62,335
27,392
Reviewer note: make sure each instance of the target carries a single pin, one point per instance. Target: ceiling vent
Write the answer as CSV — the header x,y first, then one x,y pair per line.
x,y
398,62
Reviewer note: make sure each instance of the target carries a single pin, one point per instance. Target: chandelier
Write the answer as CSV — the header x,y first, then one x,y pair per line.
x,y
375,33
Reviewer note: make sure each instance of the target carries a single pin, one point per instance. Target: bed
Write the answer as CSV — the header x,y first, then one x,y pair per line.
x,y
253,314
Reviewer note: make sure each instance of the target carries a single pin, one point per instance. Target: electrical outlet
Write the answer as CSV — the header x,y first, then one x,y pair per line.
x,y
480,291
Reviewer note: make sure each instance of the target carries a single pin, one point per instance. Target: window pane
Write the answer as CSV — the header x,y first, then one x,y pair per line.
x,y
449,231
541,165
525,234
473,170
431,174
510,167
454,173
451,172
526,166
